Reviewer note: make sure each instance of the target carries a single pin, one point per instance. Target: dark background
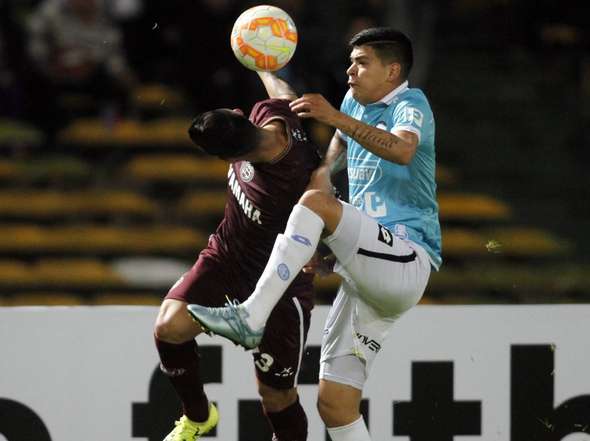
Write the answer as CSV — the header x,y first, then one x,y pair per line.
x,y
509,83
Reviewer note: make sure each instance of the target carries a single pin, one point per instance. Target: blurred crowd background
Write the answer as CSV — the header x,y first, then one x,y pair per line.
x,y
103,200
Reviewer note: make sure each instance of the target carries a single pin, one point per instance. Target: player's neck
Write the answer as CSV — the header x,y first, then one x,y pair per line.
x,y
274,141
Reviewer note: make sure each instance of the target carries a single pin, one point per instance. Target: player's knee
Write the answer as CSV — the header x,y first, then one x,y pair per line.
x,y
167,330
335,413
325,206
317,201
313,197
276,400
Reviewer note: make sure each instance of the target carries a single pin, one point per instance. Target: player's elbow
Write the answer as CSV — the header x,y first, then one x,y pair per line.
x,y
285,96
403,155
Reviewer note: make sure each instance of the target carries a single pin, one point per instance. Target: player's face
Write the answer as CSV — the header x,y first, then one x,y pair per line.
x,y
368,77
250,156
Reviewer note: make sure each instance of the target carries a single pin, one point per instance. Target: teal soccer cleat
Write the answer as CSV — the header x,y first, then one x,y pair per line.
x,y
228,321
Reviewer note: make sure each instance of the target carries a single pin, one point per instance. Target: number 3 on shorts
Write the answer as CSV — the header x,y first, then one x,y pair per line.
x,y
264,361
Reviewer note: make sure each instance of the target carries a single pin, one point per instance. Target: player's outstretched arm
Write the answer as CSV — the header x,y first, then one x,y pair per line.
x,y
277,87
399,147
335,158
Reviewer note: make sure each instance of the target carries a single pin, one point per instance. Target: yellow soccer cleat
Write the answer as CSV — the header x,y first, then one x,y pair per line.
x,y
188,430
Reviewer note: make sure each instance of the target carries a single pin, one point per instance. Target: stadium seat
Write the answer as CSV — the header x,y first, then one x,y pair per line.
x,y
45,299
176,168
170,132
54,204
60,169
461,243
75,273
86,132
471,207
202,204
93,132
445,176
15,273
9,171
18,133
156,96
127,299
92,240
528,242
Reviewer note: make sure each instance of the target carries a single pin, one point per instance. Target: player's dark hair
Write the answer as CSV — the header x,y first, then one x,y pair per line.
x,y
223,133
389,44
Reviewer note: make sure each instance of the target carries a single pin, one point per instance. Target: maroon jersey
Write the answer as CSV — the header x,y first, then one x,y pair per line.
x,y
260,197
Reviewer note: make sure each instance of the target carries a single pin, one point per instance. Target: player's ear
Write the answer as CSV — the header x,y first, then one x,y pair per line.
x,y
239,111
395,70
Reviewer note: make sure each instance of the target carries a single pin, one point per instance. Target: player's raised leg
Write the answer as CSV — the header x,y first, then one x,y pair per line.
x,y
244,323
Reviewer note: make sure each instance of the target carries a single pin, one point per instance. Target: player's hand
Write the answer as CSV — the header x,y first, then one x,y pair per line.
x,y
314,105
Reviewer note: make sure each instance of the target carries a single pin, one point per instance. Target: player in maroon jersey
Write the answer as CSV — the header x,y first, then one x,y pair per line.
x,y
270,163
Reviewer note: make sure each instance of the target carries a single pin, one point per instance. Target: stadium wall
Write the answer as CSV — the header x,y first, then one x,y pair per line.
x,y
517,373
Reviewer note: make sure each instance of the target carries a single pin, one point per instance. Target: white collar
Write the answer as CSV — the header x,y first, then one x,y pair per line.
x,y
387,99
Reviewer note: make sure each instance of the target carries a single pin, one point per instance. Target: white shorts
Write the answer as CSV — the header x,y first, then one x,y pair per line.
x,y
382,277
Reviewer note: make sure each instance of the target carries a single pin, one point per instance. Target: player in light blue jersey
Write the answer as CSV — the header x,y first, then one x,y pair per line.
x,y
386,241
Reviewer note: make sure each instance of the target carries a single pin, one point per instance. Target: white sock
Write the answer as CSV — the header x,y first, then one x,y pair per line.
x,y
356,431
292,250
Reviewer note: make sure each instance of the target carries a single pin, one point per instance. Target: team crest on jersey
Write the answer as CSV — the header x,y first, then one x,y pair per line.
x,y
299,135
246,171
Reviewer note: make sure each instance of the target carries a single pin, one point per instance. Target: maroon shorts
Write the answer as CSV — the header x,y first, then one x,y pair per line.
x,y
278,358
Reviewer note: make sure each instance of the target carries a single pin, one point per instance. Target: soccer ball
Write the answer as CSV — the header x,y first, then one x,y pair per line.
x,y
264,38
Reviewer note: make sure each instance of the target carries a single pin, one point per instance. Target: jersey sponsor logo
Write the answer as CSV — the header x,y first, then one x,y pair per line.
x,y
361,171
385,236
246,171
245,204
373,204
301,239
283,271
373,345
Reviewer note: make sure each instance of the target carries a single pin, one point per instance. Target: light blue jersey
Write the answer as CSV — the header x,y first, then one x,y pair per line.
x,y
400,197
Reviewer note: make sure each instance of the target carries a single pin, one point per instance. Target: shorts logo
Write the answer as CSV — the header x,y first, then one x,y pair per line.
x,y
286,372
172,372
385,236
283,271
301,239
246,171
369,342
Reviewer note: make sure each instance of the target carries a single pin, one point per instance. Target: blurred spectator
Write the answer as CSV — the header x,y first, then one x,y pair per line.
x,y
9,99
124,10
11,88
77,50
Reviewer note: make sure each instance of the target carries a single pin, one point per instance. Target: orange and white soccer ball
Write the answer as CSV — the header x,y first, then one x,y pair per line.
x,y
264,38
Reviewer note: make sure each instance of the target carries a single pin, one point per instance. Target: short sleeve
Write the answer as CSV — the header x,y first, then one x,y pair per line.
x,y
409,116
